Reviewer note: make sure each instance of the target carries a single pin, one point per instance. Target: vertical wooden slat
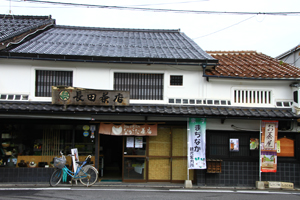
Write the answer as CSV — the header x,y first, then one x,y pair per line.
x,y
141,86
45,79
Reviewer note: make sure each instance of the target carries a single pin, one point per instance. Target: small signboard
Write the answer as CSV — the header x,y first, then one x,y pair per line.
x,y
234,144
79,96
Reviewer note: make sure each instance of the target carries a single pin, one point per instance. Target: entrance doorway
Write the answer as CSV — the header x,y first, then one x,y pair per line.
x,y
111,151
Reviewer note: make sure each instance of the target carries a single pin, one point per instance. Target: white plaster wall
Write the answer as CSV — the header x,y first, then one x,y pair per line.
x,y
14,77
18,77
223,88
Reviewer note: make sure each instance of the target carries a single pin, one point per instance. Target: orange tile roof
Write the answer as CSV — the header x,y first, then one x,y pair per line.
x,y
250,64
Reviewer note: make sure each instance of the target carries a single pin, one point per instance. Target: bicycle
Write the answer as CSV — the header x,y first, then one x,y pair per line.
x,y
85,173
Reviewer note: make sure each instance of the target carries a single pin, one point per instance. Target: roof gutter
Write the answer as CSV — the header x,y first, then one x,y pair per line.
x,y
246,78
111,61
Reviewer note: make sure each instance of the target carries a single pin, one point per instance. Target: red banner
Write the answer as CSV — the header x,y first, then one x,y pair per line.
x,y
268,146
128,129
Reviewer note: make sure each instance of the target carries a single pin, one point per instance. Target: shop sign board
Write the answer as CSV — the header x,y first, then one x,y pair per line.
x,y
268,146
197,143
80,96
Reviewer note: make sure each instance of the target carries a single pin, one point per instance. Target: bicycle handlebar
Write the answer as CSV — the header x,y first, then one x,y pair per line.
x,y
88,157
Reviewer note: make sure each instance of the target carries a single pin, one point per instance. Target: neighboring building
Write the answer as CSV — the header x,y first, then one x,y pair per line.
x,y
170,79
291,56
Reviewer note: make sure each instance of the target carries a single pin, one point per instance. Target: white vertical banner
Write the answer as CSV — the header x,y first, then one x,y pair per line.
x,y
75,158
197,143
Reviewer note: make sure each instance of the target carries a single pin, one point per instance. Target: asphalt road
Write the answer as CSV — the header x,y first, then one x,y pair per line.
x,y
74,193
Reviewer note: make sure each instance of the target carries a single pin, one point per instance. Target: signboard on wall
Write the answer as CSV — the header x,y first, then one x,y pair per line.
x,y
80,96
269,146
234,144
197,143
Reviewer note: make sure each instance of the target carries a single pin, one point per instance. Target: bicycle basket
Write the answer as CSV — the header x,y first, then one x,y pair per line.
x,y
59,162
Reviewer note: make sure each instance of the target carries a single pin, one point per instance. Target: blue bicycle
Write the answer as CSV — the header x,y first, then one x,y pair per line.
x,y
85,173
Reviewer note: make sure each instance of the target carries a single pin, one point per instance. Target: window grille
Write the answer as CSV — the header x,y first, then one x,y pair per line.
x,y
176,80
252,97
45,79
140,86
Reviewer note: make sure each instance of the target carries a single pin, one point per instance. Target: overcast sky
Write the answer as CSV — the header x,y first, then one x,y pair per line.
x,y
268,34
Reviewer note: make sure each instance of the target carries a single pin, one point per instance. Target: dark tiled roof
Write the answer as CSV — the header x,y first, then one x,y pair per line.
x,y
250,64
162,110
14,25
117,43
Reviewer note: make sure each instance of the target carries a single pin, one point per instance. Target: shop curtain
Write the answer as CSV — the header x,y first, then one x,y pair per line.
x,y
128,129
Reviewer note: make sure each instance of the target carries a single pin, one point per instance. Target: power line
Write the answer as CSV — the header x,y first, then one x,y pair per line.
x,y
223,28
170,3
164,10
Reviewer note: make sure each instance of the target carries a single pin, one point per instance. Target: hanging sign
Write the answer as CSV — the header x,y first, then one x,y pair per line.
x,y
128,129
80,96
269,146
197,143
92,129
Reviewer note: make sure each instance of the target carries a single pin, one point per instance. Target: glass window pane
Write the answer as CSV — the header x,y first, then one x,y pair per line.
x,y
135,168
135,145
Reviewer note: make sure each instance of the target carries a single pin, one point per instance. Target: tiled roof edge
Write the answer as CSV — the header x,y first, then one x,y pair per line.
x,y
25,16
117,29
36,26
233,52
205,111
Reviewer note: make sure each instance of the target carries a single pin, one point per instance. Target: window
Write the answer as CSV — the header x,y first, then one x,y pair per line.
x,y
295,95
242,96
45,79
176,80
140,86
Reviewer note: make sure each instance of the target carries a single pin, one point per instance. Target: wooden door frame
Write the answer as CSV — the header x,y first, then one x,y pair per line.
x,y
135,156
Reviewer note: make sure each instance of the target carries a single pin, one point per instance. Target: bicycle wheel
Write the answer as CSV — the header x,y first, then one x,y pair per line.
x,y
92,175
56,177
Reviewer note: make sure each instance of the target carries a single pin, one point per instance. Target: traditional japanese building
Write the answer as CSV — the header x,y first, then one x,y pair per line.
x,y
126,96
